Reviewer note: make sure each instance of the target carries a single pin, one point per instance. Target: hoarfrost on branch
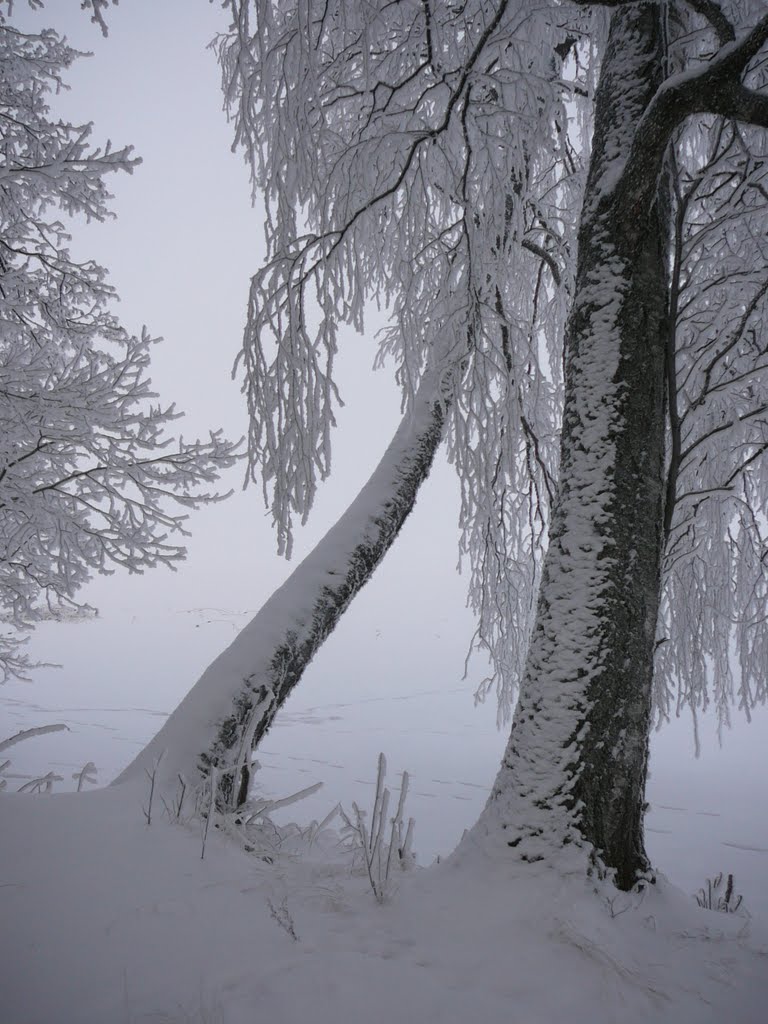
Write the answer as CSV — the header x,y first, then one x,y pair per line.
x,y
428,157
90,476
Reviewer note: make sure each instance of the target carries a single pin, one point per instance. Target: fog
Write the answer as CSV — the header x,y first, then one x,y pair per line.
x,y
391,678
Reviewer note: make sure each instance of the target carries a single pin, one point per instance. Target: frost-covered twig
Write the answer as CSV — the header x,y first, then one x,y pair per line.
x,y
213,781
173,810
43,784
28,734
178,800
152,776
369,843
283,917
86,774
712,897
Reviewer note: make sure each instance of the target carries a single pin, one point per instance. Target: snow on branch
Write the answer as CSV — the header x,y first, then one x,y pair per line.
x,y
418,157
92,475
713,636
96,7
27,734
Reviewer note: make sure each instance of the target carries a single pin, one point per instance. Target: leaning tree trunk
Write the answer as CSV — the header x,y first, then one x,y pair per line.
x,y
575,766
233,704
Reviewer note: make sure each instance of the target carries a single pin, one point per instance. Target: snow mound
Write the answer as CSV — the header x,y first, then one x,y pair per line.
x,y
108,920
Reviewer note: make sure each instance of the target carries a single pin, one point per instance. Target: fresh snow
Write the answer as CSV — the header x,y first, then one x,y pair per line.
x,y
108,920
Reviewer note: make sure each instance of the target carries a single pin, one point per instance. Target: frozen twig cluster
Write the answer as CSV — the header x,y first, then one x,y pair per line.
x,y
250,826
42,783
718,894
368,840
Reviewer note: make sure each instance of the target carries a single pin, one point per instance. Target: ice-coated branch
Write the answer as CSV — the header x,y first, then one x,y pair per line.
x,y
92,475
96,7
86,774
27,734
416,157
714,638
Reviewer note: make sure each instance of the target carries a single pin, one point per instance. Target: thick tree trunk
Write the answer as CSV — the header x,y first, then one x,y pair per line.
x,y
233,704
575,766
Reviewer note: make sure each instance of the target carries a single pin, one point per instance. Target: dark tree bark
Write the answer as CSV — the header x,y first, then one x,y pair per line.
x,y
575,766
232,706
574,771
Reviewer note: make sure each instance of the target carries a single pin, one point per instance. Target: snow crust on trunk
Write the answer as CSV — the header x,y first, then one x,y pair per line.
x,y
575,766
233,703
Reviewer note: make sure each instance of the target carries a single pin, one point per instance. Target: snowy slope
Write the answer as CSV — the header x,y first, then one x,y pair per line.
x,y
108,920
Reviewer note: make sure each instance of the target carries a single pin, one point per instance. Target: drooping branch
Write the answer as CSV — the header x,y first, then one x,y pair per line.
x,y
673,406
714,636
416,156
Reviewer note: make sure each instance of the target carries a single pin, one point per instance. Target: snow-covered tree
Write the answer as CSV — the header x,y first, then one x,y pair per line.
x,y
470,312
576,763
426,156
90,476
233,704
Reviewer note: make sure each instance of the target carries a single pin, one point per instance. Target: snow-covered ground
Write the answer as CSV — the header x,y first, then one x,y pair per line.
x,y
389,679
106,919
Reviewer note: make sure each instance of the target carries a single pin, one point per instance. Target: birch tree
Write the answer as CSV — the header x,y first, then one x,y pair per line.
x,y
471,311
91,477
425,155
575,767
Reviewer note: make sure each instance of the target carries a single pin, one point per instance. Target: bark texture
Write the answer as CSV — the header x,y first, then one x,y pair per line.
x,y
235,701
575,766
